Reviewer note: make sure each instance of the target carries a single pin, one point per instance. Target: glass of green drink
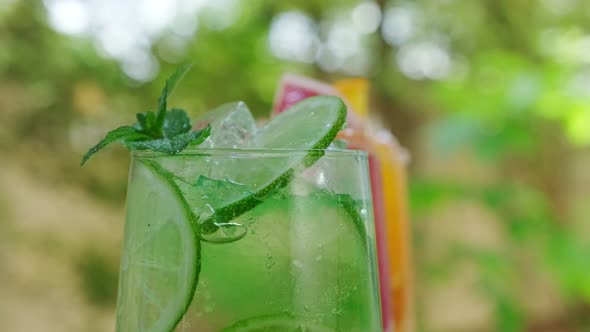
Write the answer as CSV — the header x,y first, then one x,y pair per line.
x,y
296,258
232,227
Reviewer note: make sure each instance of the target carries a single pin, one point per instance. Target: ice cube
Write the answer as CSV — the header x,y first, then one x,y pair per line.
x,y
232,126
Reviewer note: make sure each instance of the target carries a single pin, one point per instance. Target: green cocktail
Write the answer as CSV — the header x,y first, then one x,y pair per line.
x,y
263,230
300,259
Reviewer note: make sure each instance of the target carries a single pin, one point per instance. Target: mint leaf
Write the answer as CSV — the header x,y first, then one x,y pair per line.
x,y
173,144
164,131
124,133
167,91
198,139
146,123
176,122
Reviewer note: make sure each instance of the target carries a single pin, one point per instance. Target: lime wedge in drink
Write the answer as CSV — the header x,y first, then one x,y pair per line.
x,y
160,264
310,124
307,128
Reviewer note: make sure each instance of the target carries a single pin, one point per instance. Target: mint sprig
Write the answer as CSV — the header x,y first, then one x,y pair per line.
x,y
172,145
167,131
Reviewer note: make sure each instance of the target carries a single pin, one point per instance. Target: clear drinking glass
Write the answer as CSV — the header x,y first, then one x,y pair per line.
x,y
249,240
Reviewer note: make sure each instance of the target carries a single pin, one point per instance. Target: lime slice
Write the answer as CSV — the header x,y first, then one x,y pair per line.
x,y
299,135
161,259
294,88
310,124
276,323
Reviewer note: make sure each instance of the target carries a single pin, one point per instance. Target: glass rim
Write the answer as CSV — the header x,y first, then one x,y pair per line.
x,y
251,152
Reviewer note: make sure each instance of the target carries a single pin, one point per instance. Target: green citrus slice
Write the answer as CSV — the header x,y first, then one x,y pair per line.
x,y
160,263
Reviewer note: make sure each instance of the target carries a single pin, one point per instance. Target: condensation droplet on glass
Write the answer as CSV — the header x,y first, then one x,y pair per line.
x,y
297,264
337,311
250,221
124,262
363,212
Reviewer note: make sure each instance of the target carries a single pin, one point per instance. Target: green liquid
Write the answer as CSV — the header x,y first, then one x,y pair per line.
x,y
302,256
299,259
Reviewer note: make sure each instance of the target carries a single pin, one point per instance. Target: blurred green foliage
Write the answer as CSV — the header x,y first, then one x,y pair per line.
x,y
98,277
513,94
